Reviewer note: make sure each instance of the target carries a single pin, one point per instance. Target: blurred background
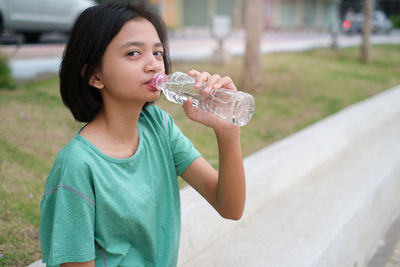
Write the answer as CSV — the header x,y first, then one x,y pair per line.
x,y
302,60
184,15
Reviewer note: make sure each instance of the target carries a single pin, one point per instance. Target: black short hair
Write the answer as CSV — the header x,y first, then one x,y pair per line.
x,y
91,34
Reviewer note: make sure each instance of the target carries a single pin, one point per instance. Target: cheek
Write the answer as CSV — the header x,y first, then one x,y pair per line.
x,y
162,67
120,74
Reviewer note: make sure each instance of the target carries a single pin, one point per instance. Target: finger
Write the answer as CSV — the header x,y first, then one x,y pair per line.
x,y
211,82
201,78
225,82
188,107
193,72
188,102
204,76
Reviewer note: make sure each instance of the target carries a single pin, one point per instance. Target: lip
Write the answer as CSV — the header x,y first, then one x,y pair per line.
x,y
148,84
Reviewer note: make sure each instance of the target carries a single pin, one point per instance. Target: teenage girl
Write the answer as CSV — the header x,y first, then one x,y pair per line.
x,y
112,196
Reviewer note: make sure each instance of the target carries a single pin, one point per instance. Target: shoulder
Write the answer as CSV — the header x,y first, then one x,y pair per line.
x,y
71,162
74,154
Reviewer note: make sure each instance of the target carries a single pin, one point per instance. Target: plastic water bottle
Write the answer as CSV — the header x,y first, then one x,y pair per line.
x,y
232,106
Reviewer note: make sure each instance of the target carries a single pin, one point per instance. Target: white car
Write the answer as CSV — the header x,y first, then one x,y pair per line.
x,y
381,23
34,17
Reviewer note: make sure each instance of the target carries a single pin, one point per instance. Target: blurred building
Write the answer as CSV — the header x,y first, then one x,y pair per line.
x,y
278,14
317,14
389,7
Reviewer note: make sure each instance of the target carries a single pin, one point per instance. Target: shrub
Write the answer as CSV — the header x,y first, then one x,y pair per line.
x,y
395,20
6,81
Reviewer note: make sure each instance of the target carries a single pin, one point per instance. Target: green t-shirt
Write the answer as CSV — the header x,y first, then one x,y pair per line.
x,y
120,212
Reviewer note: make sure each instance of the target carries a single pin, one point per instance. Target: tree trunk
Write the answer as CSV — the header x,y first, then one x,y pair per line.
x,y
252,72
367,29
335,26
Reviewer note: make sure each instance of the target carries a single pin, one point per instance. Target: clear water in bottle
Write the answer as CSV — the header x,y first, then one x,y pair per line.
x,y
179,92
233,106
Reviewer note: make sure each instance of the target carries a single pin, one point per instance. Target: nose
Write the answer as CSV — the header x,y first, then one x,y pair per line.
x,y
152,64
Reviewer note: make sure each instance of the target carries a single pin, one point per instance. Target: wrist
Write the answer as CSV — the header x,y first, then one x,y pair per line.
x,y
227,132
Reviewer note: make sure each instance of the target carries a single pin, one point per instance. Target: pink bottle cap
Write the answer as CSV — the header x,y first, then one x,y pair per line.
x,y
155,79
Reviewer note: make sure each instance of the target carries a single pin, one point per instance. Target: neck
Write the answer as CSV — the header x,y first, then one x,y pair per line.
x,y
115,130
121,126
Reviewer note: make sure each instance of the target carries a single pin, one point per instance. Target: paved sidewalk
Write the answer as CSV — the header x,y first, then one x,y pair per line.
x,y
388,254
394,260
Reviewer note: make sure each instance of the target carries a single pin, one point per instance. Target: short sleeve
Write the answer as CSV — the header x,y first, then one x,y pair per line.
x,y
183,151
67,216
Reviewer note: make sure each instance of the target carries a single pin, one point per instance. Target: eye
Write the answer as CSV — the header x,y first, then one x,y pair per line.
x,y
158,53
133,53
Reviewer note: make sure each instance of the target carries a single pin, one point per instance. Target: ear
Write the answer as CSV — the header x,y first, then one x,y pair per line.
x,y
95,80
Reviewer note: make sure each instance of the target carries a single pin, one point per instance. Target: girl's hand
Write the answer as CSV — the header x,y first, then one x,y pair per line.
x,y
211,82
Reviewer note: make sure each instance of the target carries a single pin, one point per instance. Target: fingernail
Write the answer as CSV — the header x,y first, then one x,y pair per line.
x,y
197,84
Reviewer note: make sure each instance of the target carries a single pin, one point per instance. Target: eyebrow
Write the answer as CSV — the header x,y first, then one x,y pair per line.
x,y
135,43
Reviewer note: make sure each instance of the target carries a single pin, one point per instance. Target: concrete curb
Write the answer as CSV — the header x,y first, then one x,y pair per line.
x,y
38,263
278,168
28,68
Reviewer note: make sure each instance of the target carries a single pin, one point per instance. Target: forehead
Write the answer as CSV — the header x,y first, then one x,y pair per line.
x,y
138,29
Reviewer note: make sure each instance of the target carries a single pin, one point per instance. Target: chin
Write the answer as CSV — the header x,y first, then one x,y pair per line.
x,y
154,96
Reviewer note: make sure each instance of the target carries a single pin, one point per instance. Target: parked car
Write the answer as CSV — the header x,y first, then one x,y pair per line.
x,y
33,18
353,23
381,23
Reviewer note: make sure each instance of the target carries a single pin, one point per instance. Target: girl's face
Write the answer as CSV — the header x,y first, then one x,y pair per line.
x,y
129,63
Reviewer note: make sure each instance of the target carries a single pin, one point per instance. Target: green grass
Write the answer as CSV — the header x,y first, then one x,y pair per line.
x,y
298,89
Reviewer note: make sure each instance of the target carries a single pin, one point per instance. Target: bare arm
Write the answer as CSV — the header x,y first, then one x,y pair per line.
x,y
224,190
78,264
